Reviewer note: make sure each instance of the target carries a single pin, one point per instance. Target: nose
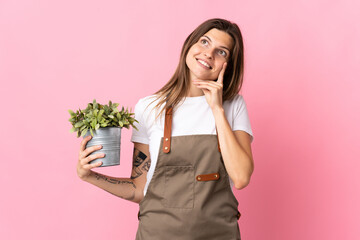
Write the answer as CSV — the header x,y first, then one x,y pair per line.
x,y
208,54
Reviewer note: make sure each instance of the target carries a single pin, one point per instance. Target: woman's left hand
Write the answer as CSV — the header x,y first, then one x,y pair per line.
x,y
212,89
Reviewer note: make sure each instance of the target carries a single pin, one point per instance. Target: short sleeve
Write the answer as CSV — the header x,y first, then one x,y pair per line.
x,y
139,135
241,119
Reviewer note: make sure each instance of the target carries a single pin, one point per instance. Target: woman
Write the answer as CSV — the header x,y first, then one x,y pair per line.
x,y
198,144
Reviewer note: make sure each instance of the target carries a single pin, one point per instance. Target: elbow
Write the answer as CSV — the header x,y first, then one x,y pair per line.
x,y
139,195
240,184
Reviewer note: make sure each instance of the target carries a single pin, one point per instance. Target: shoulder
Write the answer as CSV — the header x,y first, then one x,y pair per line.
x,y
145,101
146,105
236,101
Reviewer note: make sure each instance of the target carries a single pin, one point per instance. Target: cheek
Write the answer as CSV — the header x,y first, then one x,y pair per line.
x,y
191,53
217,69
187,59
195,49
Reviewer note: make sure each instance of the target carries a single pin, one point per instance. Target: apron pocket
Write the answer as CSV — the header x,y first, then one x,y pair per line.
x,y
179,187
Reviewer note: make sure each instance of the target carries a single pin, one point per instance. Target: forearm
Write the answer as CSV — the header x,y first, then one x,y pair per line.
x,y
237,162
121,187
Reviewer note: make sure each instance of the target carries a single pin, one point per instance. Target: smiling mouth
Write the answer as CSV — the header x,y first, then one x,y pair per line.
x,y
203,63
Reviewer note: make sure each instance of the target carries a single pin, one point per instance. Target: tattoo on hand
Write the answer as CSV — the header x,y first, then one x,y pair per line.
x,y
136,173
113,181
138,158
146,165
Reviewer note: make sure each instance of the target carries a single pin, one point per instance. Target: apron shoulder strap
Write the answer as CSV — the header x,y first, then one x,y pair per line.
x,y
167,131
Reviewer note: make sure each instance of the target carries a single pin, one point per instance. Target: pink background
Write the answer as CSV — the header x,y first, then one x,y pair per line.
x,y
301,88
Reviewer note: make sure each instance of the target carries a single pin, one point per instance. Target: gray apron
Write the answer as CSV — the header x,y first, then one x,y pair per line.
x,y
189,196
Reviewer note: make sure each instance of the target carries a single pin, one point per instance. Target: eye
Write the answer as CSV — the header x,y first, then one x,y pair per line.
x,y
203,40
223,53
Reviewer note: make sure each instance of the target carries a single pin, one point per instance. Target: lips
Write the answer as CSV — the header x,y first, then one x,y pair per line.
x,y
197,59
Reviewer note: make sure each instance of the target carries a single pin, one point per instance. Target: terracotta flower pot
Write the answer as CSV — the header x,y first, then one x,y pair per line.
x,y
110,139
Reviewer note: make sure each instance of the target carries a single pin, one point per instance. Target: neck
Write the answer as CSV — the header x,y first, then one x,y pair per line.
x,y
194,91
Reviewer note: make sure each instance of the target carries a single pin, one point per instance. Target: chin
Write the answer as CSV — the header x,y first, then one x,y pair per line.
x,y
205,77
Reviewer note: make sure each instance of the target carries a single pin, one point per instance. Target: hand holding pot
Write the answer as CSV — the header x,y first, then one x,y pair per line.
x,y
83,166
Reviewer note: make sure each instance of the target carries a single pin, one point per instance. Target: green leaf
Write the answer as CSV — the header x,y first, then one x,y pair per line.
x,y
71,113
83,127
93,123
99,117
79,124
84,132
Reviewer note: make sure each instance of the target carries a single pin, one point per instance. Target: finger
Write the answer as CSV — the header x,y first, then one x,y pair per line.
x,y
93,165
205,87
209,83
197,80
84,142
221,74
88,159
204,90
202,80
89,150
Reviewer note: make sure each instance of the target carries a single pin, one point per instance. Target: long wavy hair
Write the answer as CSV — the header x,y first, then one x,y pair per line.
x,y
179,84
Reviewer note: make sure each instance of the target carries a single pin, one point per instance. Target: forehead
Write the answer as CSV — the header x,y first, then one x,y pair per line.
x,y
220,38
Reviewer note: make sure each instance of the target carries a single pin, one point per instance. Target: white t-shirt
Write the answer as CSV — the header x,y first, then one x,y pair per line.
x,y
191,117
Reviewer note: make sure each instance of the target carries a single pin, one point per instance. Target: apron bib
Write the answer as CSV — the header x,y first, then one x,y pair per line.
x,y
189,196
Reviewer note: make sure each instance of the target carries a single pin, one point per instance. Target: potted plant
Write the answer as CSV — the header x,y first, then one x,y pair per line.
x,y
104,123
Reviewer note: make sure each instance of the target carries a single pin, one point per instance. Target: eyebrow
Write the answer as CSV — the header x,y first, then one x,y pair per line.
x,y
220,46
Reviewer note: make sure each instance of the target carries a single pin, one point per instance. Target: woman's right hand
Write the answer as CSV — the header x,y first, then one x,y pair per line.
x,y
83,166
